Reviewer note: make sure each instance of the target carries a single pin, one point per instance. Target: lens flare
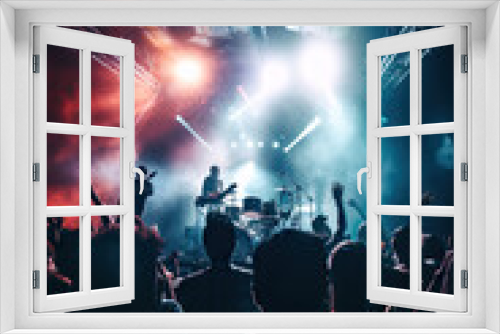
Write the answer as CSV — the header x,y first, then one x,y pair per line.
x,y
189,71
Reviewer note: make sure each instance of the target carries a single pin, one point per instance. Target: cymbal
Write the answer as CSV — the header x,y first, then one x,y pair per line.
x,y
283,189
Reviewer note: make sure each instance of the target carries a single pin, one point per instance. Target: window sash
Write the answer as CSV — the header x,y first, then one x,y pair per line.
x,y
413,43
86,43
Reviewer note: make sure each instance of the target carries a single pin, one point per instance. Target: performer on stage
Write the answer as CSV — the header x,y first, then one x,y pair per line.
x,y
212,186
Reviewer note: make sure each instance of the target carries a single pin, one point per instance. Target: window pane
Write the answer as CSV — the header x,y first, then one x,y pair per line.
x,y
395,254
437,169
437,84
105,171
437,254
395,89
63,170
63,82
395,171
105,252
63,255
105,90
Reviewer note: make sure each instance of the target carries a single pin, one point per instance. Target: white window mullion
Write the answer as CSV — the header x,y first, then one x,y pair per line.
x,y
81,228
414,169
419,129
80,130
86,165
406,210
128,155
86,254
433,129
372,184
86,115
434,211
108,210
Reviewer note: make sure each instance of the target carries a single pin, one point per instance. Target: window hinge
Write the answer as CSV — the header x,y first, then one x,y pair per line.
x,y
36,63
464,279
465,63
36,172
36,279
464,171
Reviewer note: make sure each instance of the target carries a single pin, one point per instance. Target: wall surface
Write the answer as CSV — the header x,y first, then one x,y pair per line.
x,y
7,164
492,163
477,127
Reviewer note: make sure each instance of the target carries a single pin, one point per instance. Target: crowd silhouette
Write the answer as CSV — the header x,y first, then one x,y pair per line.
x,y
291,271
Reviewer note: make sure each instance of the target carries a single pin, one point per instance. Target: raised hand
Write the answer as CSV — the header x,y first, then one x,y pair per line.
x,y
337,190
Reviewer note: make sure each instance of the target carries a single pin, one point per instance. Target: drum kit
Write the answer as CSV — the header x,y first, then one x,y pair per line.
x,y
255,220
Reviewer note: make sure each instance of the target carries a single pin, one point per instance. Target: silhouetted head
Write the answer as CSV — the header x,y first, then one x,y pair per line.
x,y
320,227
401,244
290,273
219,237
214,170
347,277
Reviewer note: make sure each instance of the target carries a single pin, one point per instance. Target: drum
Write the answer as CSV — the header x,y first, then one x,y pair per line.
x,y
252,205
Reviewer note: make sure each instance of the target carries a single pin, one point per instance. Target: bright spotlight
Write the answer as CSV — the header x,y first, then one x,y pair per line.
x,y
234,144
260,144
273,76
317,65
249,144
188,71
276,144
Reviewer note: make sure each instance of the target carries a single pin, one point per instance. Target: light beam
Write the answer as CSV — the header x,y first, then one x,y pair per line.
x,y
309,128
192,131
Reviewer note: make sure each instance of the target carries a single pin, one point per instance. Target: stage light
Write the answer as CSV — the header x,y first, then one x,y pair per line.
x,y
260,144
309,128
188,71
250,144
273,77
317,64
244,176
234,144
192,131
276,144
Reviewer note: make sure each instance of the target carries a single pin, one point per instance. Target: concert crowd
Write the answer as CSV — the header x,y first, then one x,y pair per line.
x,y
291,271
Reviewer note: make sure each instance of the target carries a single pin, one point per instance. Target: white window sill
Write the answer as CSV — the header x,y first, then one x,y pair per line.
x,y
251,331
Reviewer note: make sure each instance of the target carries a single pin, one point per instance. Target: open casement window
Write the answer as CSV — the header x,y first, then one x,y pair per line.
x,y
69,132
417,101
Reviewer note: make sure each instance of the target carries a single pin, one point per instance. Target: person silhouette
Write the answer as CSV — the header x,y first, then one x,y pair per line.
x,y
348,277
290,273
221,287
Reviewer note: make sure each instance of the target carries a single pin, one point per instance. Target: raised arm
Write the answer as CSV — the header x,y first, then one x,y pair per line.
x,y
337,192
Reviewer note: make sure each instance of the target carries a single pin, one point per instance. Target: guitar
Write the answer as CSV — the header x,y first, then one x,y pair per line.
x,y
217,199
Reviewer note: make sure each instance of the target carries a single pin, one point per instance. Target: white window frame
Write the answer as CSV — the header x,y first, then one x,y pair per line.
x,y
484,102
85,43
414,43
